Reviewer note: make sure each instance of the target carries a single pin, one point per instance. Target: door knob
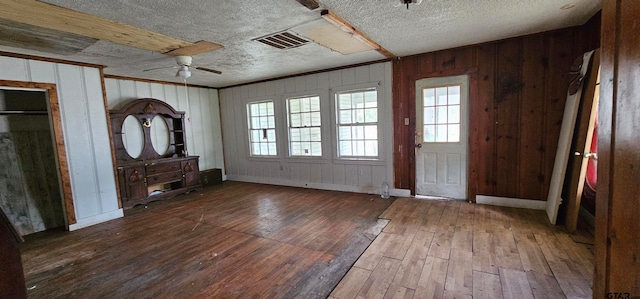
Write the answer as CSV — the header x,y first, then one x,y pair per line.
x,y
419,145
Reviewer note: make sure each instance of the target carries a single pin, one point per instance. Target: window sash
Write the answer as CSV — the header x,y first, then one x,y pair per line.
x,y
262,128
357,124
305,126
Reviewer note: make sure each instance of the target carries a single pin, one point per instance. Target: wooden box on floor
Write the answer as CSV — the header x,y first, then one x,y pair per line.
x,y
211,177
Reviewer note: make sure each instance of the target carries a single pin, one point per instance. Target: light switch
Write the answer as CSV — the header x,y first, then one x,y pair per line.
x,y
406,121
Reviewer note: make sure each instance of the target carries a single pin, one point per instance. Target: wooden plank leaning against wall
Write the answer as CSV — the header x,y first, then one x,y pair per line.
x,y
517,87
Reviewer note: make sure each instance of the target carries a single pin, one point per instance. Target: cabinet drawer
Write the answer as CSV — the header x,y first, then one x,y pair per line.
x,y
164,177
154,168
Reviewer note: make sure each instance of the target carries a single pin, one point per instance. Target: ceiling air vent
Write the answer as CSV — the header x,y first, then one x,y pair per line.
x,y
283,40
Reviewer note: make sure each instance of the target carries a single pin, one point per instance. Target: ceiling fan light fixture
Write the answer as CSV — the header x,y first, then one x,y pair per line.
x,y
184,60
184,72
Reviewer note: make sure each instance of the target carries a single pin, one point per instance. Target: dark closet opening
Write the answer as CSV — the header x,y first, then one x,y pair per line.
x,y
30,193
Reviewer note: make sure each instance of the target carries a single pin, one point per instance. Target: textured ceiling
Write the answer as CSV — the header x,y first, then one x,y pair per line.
x,y
432,25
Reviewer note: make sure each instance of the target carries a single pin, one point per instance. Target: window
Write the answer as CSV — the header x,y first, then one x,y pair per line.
x,y
262,128
357,122
441,117
304,126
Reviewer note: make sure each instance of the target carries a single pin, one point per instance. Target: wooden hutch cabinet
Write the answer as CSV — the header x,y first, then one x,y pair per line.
x,y
151,152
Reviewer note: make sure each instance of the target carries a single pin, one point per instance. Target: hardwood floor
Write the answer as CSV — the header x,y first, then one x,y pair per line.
x,y
251,240
237,240
454,249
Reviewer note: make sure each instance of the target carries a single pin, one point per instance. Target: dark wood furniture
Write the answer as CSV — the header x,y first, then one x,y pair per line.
x,y
152,175
12,283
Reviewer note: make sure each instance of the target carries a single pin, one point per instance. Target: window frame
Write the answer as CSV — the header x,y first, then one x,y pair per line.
x,y
370,160
323,150
248,129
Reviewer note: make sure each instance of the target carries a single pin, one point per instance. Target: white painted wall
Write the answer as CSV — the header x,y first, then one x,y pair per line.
x,y
84,125
201,107
325,173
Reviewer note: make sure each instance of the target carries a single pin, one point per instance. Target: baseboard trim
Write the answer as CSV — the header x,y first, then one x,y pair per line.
x,y
511,202
89,221
320,186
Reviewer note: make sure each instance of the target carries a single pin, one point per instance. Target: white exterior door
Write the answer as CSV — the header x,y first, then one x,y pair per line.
x,y
441,136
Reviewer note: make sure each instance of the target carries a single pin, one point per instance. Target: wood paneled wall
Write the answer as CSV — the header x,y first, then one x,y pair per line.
x,y
326,172
202,113
617,245
84,127
517,93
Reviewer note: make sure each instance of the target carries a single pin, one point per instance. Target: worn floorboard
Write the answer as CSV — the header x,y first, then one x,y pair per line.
x,y
242,240
238,240
464,250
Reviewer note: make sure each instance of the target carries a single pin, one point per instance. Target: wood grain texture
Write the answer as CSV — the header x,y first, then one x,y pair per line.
x,y
581,144
18,35
196,48
617,242
230,240
531,172
504,126
515,284
486,285
514,253
508,89
111,142
63,19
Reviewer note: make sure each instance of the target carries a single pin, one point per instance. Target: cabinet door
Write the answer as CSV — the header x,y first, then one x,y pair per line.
x,y
191,173
135,184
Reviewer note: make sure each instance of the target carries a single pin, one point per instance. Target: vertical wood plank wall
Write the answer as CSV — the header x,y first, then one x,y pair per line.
x,y
328,172
85,132
517,92
201,107
617,245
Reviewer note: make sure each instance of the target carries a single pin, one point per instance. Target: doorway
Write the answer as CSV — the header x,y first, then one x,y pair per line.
x,y
30,190
442,136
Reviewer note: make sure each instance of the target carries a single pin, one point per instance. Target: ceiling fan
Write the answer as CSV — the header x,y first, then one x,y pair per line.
x,y
184,65
407,2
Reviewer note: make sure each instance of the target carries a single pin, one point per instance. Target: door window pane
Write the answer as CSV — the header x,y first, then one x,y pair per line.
x,y
441,114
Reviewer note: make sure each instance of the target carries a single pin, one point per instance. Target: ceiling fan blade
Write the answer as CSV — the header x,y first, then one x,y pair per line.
x,y
159,68
208,70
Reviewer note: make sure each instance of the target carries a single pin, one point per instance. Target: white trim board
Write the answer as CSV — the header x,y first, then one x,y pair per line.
x,y
89,221
511,202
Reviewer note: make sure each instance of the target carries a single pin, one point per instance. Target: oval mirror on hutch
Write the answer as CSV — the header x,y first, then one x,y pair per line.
x,y
159,134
